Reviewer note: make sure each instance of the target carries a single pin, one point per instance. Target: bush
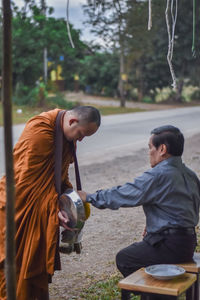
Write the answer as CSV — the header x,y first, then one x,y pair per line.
x,y
196,95
147,99
167,94
38,97
133,93
58,101
32,96
25,96
189,91
162,94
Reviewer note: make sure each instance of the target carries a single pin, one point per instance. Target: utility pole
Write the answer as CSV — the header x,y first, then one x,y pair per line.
x,y
10,269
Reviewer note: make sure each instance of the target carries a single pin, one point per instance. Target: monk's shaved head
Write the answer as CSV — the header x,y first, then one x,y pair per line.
x,y
80,122
87,114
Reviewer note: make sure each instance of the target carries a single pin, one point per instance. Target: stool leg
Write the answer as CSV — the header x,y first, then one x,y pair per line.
x,y
145,297
196,288
125,295
190,293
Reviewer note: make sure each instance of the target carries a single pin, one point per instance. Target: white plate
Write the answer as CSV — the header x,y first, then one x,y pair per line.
x,y
164,271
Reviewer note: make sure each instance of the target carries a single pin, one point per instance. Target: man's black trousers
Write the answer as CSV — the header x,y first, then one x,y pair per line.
x,y
161,249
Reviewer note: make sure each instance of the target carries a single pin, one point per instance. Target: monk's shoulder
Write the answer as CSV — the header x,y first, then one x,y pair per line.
x,y
48,118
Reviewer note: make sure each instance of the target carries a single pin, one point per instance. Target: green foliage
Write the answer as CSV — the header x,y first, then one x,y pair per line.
x,y
148,49
38,97
58,45
99,72
107,19
24,95
162,94
105,290
27,49
147,99
189,93
123,25
145,51
58,101
196,95
32,32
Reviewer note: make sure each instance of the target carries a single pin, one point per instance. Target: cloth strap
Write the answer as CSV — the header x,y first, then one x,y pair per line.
x,y
58,154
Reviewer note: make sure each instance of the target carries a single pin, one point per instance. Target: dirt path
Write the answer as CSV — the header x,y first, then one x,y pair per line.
x,y
106,231
106,101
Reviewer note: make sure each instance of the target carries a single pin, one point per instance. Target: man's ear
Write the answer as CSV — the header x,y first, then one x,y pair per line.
x,y
163,149
72,121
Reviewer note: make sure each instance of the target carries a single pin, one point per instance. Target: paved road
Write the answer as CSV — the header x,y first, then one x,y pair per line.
x,y
121,135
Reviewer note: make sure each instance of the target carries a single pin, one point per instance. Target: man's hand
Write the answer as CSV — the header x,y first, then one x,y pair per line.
x,y
63,220
82,195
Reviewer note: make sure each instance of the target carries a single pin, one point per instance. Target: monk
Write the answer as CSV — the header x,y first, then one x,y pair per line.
x,y
37,214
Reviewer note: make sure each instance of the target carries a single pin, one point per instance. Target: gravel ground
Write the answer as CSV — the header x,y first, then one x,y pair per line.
x,y
106,231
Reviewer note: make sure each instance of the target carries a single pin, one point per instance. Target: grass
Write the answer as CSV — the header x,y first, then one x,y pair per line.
x,y
21,114
104,290
20,118
109,110
198,239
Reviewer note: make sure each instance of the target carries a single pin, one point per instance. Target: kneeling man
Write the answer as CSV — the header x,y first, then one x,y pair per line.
x,y
170,195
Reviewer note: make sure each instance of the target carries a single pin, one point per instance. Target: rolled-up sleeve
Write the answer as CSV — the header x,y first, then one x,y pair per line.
x,y
140,192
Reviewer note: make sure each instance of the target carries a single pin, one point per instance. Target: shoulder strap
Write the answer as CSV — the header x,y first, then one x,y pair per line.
x,y
78,179
59,152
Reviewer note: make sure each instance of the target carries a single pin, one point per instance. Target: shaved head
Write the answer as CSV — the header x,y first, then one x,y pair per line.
x,y
87,114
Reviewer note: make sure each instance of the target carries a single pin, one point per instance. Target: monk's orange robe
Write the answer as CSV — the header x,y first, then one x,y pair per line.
x,y
36,214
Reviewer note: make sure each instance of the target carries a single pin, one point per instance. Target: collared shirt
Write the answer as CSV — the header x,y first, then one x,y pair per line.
x,y
169,194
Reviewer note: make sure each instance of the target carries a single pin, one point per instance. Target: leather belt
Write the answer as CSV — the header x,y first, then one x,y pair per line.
x,y
181,230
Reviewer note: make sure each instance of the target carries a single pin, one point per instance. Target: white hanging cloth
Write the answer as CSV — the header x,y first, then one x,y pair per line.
x,y
171,31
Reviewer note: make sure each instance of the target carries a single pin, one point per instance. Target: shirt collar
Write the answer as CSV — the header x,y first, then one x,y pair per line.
x,y
172,160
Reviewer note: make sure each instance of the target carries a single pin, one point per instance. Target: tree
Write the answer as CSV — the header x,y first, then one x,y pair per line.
x,y
147,50
32,33
107,18
97,73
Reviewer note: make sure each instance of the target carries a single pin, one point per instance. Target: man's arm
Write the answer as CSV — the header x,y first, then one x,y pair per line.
x,y
140,192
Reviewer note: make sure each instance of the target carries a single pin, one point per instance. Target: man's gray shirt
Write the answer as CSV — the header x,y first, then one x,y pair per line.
x,y
169,194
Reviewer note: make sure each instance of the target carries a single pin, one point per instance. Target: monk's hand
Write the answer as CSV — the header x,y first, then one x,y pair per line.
x,y
82,195
63,220
144,232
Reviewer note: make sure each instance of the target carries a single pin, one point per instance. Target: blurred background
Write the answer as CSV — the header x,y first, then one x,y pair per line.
x,y
63,50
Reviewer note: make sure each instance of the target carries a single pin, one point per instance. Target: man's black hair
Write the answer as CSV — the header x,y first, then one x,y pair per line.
x,y
88,114
171,136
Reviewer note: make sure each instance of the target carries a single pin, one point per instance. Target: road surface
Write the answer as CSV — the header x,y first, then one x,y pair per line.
x,y
123,134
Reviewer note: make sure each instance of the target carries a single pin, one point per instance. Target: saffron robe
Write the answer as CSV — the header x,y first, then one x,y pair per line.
x,y
36,207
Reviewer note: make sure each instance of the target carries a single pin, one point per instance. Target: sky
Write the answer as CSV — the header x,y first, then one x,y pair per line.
x,y
76,15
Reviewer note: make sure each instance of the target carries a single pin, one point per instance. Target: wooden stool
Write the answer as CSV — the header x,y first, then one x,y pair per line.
x,y
143,283
193,267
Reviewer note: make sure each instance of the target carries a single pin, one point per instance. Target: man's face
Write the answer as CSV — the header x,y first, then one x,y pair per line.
x,y
155,155
77,130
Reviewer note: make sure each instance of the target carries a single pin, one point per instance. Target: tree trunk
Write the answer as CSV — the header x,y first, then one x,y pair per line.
x,y
140,86
121,81
178,96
